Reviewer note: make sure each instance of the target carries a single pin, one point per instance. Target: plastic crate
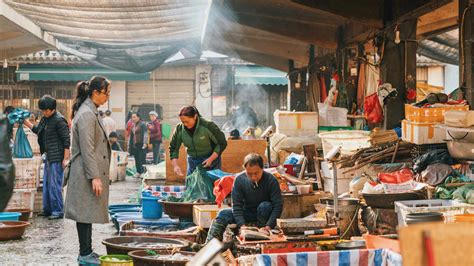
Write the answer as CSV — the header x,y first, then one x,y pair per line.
x,y
449,208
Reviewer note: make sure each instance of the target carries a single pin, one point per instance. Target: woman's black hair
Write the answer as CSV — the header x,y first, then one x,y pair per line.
x,y
135,113
189,111
85,88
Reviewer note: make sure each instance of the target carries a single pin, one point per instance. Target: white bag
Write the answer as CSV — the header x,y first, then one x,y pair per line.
x,y
459,118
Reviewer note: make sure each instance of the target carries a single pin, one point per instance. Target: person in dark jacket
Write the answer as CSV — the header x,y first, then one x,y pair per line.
x,y
139,137
203,139
155,136
256,198
114,144
7,170
6,111
244,117
54,141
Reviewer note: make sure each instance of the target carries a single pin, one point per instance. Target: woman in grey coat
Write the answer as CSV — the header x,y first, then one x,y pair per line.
x,y
87,196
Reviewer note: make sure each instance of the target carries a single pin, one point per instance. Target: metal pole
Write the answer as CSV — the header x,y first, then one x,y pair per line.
x,y
268,152
334,177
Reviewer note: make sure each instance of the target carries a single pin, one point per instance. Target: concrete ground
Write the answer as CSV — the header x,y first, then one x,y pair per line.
x,y
55,242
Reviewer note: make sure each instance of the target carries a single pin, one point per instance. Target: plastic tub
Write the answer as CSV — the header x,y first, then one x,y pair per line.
x,y
108,260
349,140
303,189
142,258
123,206
10,230
135,209
10,216
150,222
25,213
152,209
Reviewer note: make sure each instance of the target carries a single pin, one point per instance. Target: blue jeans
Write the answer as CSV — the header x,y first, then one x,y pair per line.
x,y
193,162
52,189
226,217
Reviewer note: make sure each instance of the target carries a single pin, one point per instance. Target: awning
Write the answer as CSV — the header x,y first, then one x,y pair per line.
x,y
258,75
73,73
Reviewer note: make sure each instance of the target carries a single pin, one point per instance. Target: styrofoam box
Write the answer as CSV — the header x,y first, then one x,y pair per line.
x,y
203,215
296,124
422,133
117,160
24,199
27,172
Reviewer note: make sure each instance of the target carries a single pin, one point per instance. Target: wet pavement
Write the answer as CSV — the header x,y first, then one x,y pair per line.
x,y
55,242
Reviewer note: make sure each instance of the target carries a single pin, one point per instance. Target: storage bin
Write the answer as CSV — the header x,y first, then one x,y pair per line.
x,y
349,140
430,115
27,172
422,133
10,216
449,208
203,215
296,124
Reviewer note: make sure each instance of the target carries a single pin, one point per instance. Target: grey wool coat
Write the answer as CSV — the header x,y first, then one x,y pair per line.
x,y
90,157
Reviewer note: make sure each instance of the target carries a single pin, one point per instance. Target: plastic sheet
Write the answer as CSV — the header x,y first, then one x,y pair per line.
x,y
199,186
432,157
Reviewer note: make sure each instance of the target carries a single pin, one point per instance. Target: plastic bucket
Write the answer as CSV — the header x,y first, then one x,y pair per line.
x,y
116,260
10,216
123,206
152,209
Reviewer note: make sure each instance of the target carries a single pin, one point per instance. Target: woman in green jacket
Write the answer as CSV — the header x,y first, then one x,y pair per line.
x,y
203,139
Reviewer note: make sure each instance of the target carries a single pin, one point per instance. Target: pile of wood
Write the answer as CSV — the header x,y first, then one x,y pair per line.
x,y
379,137
381,153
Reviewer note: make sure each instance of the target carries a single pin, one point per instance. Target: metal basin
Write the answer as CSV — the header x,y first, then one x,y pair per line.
x,y
119,245
141,258
460,149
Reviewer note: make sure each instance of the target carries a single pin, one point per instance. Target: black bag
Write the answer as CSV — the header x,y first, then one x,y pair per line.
x,y
67,170
7,170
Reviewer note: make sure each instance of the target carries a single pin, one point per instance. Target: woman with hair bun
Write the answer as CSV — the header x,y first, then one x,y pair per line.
x,y
87,196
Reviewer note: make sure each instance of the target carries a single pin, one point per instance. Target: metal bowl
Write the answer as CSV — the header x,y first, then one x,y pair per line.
x,y
118,245
141,258
460,149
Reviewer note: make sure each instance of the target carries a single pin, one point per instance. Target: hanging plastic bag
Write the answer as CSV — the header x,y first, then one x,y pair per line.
x,y
199,186
21,146
373,110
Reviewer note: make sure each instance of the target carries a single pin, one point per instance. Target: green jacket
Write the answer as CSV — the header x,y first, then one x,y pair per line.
x,y
207,138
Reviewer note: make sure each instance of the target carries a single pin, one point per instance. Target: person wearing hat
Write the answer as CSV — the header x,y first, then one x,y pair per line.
x,y
114,144
234,135
155,135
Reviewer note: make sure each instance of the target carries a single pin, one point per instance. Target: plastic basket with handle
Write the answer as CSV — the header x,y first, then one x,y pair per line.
x,y
449,208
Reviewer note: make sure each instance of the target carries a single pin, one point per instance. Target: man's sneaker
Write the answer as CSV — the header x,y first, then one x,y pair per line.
x,y
91,259
43,214
55,217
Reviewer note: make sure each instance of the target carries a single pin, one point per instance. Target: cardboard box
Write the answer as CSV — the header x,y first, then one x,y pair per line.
x,y
203,215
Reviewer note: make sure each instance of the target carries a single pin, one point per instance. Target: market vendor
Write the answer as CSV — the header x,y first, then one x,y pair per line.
x,y
256,199
203,139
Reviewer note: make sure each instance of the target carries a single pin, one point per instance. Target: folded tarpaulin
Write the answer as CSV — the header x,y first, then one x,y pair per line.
x,y
359,257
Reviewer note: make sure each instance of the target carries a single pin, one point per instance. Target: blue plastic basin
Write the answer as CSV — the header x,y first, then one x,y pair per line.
x,y
10,216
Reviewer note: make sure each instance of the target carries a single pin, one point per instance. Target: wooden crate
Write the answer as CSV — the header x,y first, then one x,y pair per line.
x,y
22,199
27,172
232,158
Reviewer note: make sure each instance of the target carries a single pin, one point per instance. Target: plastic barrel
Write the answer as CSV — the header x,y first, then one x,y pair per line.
x,y
152,209
10,216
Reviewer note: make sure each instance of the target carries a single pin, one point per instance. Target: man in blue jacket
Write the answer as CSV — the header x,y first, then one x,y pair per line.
x,y
54,141
256,199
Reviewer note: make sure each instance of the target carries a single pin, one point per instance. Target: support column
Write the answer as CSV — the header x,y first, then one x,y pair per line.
x,y
297,94
398,67
466,50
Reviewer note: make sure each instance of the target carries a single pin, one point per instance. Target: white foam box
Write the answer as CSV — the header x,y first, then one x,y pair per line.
x,y
203,215
22,199
422,133
27,172
117,160
296,124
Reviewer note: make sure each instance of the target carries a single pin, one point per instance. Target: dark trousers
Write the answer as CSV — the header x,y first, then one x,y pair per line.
x,y
53,189
156,151
226,217
140,157
84,231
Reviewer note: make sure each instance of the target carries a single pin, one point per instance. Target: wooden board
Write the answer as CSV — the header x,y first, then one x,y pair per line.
x,y
232,158
452,243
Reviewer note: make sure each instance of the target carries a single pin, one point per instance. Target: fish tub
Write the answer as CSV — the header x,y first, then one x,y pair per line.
x,y
124,244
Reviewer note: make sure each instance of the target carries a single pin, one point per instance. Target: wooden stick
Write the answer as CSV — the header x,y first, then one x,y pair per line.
x,y
395,152
303,168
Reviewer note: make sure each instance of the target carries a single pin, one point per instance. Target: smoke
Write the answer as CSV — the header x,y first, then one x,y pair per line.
x,y
250,107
